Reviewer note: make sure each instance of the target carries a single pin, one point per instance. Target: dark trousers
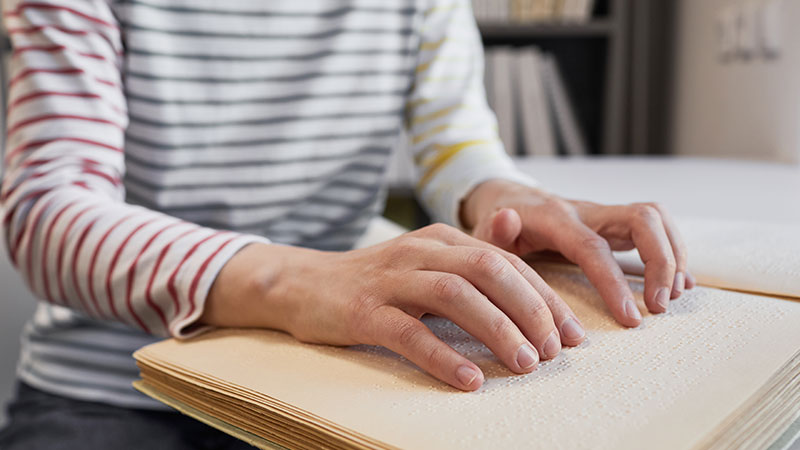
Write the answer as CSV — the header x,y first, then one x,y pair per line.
x,y
38,420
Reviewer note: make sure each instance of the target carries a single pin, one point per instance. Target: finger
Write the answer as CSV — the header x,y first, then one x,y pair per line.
x,y
647,232
691,282
592,253
451,296
409,337
501,228
570,334
516,289
678,249
642,224
572,331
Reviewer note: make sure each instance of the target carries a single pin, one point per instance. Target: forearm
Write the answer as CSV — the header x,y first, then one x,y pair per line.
x,y
67,226
267,286
248,291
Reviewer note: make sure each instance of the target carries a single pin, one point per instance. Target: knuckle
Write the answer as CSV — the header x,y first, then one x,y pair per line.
x,y
657,206
362,308
559,206
500,327
538,308
439,229
487,262
595,243
667,261
405,333
449,287
519,265
646,214
404,247
433,355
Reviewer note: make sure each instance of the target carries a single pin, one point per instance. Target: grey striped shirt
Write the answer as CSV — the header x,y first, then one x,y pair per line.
x,y
149,140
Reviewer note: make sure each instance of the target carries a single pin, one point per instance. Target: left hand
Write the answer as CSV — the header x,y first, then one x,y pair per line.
x,y
524,220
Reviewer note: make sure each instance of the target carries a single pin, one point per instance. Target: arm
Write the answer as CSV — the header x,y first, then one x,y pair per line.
x,y
377,295
466,179
453,133
524,220
67,227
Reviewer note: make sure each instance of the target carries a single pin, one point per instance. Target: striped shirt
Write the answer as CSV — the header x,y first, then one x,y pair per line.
x,y
149,140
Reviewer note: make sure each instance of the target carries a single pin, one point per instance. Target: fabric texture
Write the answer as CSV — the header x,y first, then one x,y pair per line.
x,y
42,421
150,140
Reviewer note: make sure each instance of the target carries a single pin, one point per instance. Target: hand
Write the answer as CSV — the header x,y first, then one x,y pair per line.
x,y
377,295
523,220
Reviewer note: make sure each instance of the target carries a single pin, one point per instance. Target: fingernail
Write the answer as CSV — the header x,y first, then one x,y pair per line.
x,y
632,311
527,356
552,346
571,330
678,285
466,375
662,298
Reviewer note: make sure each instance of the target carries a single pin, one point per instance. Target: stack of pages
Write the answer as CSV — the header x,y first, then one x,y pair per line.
x,y
721,369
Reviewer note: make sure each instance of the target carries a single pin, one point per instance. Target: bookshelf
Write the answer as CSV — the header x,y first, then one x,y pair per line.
x,y
495,30
616,70
593,57
614,66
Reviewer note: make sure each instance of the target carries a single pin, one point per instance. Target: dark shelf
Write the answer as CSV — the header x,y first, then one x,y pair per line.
x,y
505,30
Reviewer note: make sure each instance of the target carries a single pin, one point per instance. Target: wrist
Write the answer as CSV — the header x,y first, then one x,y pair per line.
x,y
487,197
255,287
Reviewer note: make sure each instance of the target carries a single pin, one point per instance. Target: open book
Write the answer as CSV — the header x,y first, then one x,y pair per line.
x,y
721,369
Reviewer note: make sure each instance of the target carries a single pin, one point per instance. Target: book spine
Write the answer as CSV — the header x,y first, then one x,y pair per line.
x,y
535,121
567,124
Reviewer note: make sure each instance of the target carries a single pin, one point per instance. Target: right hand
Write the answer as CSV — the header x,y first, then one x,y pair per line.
x,y
377,295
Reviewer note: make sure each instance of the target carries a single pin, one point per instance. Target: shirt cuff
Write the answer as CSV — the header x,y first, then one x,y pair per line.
x,y
443,193
206,267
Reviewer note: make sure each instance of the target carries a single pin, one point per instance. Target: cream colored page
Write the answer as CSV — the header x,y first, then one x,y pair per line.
x,y
741,255
663,385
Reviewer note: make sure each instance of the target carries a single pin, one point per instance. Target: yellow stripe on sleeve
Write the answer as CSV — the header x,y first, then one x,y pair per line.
x,y
443,154
441,8
437,114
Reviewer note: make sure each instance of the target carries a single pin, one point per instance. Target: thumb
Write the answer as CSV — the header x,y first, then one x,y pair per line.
x,y
501,228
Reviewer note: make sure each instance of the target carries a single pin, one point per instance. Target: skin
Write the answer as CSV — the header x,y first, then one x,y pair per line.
x,y
377,295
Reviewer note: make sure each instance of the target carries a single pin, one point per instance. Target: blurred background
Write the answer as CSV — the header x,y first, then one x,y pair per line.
x,y
637,79
598,98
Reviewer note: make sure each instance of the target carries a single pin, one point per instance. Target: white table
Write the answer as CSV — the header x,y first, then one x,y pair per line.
x,y
713,188
700,187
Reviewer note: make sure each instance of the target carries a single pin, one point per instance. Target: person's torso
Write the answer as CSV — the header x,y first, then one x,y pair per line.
x,y
268,117
274,118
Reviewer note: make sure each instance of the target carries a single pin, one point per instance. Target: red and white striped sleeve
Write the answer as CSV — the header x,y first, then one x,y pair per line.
x,y
67,227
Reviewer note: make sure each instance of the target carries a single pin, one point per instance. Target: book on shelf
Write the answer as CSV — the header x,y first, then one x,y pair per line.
x,y
502,95
523,11
534,111
560,105
534,115
721,370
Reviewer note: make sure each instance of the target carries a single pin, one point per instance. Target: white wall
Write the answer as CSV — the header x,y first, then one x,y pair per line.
x,y
744,109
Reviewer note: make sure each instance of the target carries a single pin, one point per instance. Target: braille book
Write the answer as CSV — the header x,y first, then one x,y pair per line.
x,y
721,369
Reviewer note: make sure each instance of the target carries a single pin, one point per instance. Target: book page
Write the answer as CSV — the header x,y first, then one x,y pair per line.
x,y
666,384
742,255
